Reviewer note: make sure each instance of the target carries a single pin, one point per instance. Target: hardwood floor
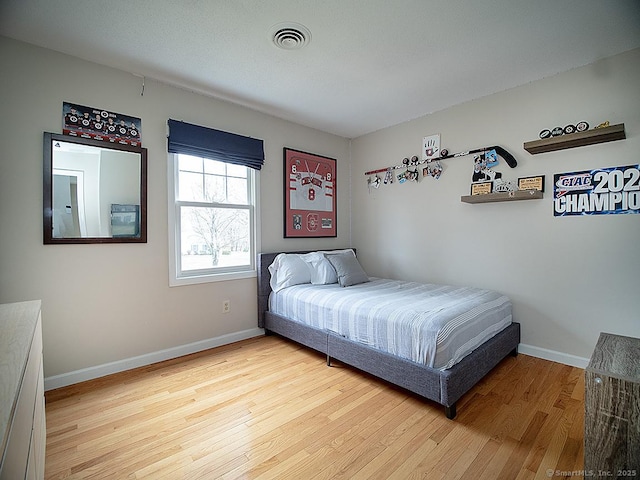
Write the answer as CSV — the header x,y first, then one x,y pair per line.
x,y
268,408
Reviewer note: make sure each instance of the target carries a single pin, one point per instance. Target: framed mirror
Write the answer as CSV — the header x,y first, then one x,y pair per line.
x,y
94,191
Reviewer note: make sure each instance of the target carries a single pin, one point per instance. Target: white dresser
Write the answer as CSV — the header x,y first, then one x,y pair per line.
x,y
22,422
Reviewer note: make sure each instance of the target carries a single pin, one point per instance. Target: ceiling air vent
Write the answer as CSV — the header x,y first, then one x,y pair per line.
x,y
290,36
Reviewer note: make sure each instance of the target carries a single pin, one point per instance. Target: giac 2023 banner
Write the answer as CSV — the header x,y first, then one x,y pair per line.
x,y
602,191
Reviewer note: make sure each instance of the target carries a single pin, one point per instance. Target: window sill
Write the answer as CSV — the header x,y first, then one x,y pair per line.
x,y
211,278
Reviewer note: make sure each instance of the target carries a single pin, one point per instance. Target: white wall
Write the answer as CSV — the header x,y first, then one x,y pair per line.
x,y
569,278
106,303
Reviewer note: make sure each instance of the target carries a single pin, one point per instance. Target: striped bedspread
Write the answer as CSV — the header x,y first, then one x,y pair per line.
x,y
434,325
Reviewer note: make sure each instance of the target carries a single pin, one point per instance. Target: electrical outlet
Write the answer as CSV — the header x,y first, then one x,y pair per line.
x,y
226,306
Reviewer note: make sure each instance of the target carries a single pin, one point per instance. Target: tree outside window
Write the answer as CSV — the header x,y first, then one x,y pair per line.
x,y
214,202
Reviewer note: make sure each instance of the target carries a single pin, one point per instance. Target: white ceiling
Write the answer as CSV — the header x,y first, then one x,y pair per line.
x,y
370,63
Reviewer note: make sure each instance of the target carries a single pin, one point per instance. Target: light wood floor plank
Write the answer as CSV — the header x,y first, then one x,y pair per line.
x,y
269,408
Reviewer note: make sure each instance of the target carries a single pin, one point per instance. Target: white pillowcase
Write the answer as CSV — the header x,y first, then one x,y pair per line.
x,y
322,273
288,269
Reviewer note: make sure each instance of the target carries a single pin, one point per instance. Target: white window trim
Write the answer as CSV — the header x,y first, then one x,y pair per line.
x,y
174,279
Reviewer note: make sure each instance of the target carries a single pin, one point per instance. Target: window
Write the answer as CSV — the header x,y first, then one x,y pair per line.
x,y
214,218
213,182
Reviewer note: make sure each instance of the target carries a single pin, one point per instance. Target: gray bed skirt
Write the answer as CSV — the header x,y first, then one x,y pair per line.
x,y
445,387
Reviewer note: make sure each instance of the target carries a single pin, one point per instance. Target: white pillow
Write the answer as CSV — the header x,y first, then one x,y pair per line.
x,y
288,269
322,273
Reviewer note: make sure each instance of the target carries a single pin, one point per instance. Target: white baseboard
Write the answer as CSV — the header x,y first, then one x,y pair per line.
x,y
65,379
554,356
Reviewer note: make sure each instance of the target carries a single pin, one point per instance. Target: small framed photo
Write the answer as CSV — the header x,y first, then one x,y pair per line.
x,y
481,188
531,183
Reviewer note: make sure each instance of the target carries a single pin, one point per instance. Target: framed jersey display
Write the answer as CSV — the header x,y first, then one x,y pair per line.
x,y
309,195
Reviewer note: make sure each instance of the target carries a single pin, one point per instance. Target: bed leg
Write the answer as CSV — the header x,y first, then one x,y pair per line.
x,y
328,361
514,352
450,411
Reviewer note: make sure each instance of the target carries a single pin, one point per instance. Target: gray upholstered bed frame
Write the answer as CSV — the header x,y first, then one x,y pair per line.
x,y
445,387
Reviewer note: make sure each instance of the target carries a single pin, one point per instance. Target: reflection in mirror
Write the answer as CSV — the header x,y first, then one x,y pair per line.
x,y
94,191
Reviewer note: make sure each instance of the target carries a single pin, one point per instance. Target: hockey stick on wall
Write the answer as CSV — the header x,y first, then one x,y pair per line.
x,y
511,161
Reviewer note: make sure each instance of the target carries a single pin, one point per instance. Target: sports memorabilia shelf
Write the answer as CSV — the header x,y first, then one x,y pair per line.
x,y
503,196
577,139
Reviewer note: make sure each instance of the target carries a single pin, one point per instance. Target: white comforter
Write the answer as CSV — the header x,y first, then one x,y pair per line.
x,y
434,325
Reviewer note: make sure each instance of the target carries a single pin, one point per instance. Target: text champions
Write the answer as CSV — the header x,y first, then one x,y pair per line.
x,y
603,191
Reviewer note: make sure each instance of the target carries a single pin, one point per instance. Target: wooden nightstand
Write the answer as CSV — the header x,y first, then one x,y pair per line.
x,y
612,408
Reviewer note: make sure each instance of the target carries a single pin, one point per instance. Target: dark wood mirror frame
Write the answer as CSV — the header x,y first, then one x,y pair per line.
x,y
49,139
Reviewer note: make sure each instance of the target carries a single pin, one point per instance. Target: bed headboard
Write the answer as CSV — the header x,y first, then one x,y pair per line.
x,y
264,287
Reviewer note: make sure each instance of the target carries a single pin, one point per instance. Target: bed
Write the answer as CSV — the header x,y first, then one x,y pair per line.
x,y
440,377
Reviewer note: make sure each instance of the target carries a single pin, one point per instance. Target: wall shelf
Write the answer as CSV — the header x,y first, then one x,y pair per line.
x,y
503,196
578,139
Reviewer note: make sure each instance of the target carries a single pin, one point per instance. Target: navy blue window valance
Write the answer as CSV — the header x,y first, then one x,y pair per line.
x,y
206,142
